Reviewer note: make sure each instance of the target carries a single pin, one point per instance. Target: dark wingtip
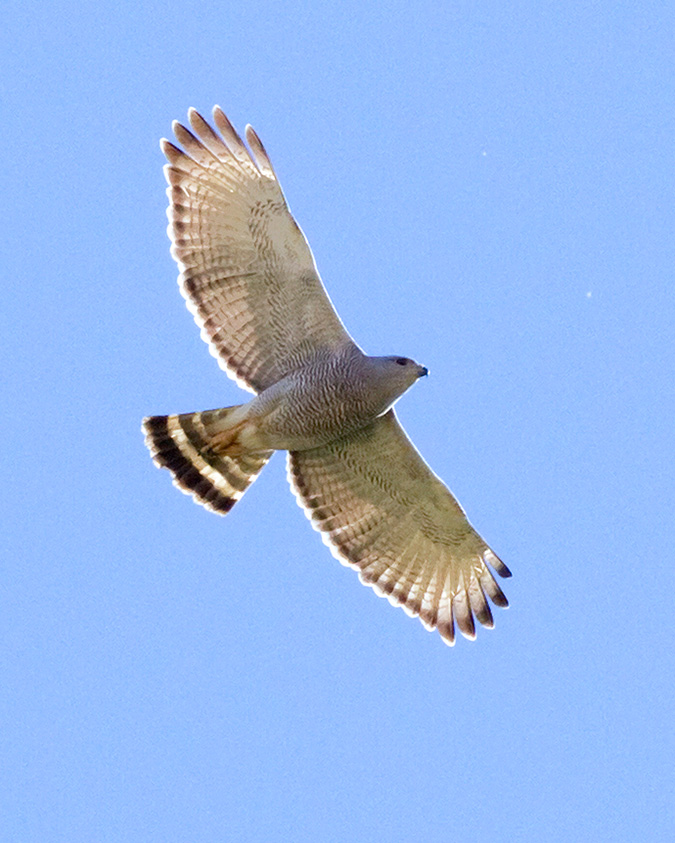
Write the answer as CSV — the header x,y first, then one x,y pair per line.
x,y
500,600
492,559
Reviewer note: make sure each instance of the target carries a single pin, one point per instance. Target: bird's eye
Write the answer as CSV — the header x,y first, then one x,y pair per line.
x,y
402,361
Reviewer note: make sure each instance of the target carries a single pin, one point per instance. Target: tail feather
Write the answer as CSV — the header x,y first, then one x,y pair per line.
x,y
181,443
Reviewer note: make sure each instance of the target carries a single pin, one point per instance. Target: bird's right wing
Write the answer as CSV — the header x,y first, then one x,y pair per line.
x,y
383,511
247,271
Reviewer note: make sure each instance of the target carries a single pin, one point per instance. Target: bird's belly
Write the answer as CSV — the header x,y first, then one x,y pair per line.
x,y
302,419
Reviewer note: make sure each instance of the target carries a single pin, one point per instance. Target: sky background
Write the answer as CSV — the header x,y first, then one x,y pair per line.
x,y
488,188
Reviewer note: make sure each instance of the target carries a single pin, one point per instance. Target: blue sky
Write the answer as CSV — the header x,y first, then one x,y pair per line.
x,y
487,188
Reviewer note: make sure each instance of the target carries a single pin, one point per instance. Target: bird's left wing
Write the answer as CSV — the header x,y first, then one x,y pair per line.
x,y
383,511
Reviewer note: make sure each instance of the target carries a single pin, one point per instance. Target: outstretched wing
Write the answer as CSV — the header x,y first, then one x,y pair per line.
x,y
384,512
245,267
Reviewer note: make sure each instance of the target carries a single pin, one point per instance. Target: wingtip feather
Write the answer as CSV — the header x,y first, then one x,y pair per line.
x,y
492,559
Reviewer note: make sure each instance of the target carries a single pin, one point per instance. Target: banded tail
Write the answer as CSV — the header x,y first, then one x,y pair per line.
x,y
182,443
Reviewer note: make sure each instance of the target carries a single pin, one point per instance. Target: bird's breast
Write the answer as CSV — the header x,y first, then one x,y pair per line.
x,y
313,406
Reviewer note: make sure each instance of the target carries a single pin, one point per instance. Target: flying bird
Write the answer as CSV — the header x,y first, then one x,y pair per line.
x,y
249,279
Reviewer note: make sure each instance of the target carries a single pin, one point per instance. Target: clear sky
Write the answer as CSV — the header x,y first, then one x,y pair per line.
x,y
488,188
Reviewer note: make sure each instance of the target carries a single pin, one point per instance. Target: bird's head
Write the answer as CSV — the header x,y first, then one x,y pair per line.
x,y
390,377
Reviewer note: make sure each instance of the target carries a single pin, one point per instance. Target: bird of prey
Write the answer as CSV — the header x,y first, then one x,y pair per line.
x,y
250,281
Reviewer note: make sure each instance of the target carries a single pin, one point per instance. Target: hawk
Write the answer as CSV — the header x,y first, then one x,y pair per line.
x,y
249,279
